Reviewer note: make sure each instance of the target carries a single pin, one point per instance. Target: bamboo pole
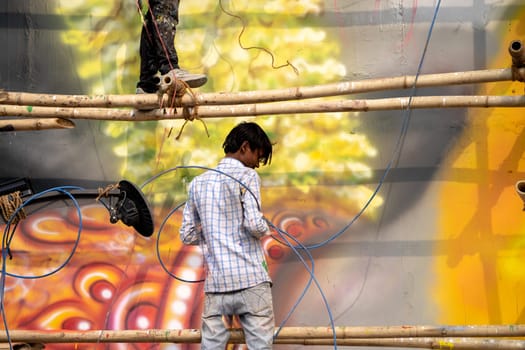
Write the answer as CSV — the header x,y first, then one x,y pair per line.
x,y
246,97
398,103
57,100
517,53
35,124
421,343
353,87
405,331
393,335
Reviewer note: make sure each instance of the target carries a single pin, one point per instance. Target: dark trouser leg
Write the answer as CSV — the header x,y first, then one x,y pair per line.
x,y
166,15
149,64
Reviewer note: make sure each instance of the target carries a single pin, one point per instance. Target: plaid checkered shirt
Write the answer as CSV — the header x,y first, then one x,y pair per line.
x,y
222,215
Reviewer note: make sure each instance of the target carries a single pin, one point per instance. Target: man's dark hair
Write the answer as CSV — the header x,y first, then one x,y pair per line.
x,y
256,137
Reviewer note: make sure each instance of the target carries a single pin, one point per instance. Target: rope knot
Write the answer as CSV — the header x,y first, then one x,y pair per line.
x,y
9,203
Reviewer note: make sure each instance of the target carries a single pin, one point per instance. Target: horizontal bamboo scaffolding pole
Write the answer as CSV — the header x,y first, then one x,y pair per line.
x,y
298,335
246,97
35,124
420,343
57,100
303,107
405,331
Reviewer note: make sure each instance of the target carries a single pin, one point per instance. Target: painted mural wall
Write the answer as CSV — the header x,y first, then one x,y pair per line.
x,y
408,216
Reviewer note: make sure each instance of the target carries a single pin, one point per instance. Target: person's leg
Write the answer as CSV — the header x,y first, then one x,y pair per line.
x,y
214,334
166,14
149,65
256,316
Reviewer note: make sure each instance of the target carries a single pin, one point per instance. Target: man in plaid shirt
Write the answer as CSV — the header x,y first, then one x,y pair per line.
x,y
223,216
